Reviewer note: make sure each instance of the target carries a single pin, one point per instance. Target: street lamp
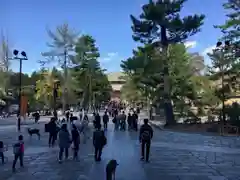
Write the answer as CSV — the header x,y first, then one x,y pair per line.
x,y
22,58
55,95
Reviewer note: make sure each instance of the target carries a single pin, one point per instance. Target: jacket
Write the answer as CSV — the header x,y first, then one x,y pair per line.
x,y
64,140
105,118
98,137
75,137
146,127
52,127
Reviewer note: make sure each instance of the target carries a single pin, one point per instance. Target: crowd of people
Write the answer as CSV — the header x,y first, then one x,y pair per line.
x,y
119,120
59,130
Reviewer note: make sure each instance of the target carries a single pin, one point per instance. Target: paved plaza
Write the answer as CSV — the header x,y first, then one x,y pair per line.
x,y
174,156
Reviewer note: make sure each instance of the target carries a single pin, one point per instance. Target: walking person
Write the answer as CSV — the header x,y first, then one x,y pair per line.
x,y
99,141
123,121
36,116
81,114
116,120
67,115
64,142
84,128
71,118
145,137
75,141
97,121
18,151
135,121
2,151
129,121
52,129
105,120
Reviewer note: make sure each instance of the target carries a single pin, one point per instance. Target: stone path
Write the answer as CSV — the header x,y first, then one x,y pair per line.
x,y
174,156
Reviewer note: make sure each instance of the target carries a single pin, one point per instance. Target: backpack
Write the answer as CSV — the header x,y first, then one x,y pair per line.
x,y
145,135
100,138
16,148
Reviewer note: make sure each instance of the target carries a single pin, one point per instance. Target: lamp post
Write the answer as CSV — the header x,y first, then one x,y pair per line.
x,y
63,54
22,58
55,95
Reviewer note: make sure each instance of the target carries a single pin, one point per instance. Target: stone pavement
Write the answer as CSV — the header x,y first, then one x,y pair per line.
x,y
174,155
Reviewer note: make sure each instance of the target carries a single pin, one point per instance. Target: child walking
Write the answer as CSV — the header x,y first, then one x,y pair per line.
x,y
18,151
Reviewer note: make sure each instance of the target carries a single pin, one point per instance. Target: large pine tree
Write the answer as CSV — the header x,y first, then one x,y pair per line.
x,y
231,28
91,82
160,23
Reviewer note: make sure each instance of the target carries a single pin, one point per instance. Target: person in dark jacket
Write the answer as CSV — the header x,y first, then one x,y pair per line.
x,y
130,121
2,151
67,115
71,118
135,121
75,141
64,142
145,137
105,120
52,129
97,121
36,116
99,141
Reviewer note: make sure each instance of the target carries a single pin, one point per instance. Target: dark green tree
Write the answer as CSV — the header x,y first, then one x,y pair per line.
x,y
91,83
231,28
160,23
146,65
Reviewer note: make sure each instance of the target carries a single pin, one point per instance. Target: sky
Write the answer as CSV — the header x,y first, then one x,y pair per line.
x,y
25,23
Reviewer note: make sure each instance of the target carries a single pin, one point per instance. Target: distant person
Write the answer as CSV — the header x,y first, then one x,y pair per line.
x,y
2,151
52,129
81,115
75,141
67,115
145,137
36,116
84,128
135,121
99,141
64,142
71,118
18,151
130,121
105,120
123,121
97,121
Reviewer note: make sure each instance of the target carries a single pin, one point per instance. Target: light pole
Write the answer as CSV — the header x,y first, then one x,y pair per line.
x,y
63,54
55,95
16,57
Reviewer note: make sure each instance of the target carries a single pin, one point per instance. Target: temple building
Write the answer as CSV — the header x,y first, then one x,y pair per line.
x,y
116,82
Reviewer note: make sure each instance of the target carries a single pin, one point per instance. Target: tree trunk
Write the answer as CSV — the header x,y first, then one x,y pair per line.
x,y
168,107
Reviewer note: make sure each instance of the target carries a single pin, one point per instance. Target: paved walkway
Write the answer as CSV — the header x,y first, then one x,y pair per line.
x,y
174,156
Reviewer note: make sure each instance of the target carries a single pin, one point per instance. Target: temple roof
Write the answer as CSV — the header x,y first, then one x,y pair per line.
x,y
115,76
